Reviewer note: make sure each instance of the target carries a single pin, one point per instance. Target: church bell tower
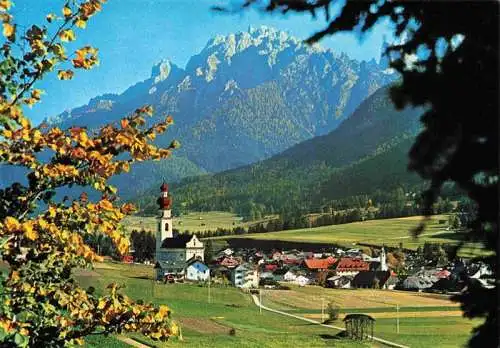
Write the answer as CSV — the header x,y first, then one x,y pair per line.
x,y
165,217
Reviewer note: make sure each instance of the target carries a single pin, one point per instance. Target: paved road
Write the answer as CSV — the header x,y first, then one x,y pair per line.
x,y
380,340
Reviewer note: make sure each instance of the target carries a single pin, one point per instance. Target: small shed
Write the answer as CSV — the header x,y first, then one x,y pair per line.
x,y
359,326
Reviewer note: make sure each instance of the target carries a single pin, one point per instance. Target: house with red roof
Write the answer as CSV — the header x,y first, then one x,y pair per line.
x,y
319,264
351,266
229,262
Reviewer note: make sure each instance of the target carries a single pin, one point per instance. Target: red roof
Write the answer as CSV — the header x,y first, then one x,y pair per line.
x,y
164,203
229,262
164,187
319,263
443,274
350,264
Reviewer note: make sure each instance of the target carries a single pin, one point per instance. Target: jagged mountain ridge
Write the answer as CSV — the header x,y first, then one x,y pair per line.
x,y
366,153
243,98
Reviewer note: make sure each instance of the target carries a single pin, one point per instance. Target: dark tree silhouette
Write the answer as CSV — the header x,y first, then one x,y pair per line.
x,y
455,77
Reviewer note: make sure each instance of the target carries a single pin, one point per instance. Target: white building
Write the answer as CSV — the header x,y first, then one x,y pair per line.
x,y
289,276
383,260
173,252
197,271
245,276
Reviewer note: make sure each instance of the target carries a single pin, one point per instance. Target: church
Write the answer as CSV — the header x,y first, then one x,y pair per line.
x,y
175,253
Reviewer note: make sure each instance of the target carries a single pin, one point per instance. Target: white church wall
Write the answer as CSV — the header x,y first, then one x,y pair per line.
x,y
190,253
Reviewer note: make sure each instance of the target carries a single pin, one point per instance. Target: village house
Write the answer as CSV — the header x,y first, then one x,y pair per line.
x,y
289,276
197,271
245,276
229,261
173,251
417,283
277,256
316,265
338,281
351,266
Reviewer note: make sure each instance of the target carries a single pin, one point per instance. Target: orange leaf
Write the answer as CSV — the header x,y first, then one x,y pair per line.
x,y
9,31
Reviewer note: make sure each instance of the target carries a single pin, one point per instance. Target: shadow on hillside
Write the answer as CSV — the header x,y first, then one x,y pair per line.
x,y
140,277
448,235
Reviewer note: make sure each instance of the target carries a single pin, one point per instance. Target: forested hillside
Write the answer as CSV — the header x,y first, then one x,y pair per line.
x,y
366,156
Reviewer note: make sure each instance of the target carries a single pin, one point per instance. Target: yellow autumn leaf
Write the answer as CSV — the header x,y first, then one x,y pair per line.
x,y
66,11
14,276
163,310
67,35
175,329
156,335
29,232
101,304
8,30
37,136
43,224
6,325
5,5
36,93
80,23
106,205
83,138
25,123
65,74
11,224
52,211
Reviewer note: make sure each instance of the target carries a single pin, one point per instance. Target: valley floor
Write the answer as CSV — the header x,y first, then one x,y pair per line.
x,y
207,324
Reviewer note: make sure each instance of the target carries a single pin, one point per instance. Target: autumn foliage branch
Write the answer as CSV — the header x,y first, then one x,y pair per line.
x,y
40,303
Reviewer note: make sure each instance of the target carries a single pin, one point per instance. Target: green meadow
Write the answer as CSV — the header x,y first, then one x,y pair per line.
x,y
208,324
193,222
390,232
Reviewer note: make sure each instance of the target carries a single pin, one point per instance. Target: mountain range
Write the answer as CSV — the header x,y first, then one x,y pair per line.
x,y
243,98
366,155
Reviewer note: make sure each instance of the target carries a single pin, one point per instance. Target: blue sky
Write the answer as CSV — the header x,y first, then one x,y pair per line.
x,y
132,35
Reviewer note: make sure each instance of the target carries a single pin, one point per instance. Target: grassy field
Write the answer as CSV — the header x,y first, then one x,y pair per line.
x,y
207,324
310,298
194,222
390,232
425,319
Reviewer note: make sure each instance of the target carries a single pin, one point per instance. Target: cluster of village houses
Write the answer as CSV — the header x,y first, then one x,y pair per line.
x,y
181,258
338,268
